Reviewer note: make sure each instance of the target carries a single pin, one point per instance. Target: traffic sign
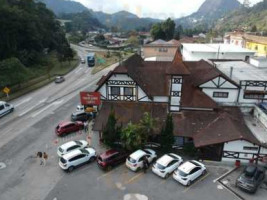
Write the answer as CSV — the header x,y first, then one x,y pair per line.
x,y
6,90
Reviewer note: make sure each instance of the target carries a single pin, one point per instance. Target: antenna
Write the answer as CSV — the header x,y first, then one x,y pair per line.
x,y
246,3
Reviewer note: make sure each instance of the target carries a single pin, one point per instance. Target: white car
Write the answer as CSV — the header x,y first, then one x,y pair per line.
x,y
5,108
76,158
165,165
135,161
71,146
189,171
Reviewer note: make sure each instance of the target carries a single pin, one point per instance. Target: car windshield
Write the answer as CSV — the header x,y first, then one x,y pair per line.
x,y
195,163
63,160
172,156
181,173
148,152
85,151
79,143
131,160
159,166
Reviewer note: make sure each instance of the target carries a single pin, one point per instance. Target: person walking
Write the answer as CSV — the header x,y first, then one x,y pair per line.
x,y
145,164
86,126
45,157
39,157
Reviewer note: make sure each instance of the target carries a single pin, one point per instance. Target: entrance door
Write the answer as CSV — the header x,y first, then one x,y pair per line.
x,y
212,152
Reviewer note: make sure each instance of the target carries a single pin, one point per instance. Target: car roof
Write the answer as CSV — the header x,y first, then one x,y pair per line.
x,y
65,123
72,154
137,154
108,153
68,144
187,167
165,160
2,102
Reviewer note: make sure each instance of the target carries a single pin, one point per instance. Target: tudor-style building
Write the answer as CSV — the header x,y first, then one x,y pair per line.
x,y
191,91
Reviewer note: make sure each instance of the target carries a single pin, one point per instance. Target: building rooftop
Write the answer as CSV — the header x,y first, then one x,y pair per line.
x,y
242,71
214,48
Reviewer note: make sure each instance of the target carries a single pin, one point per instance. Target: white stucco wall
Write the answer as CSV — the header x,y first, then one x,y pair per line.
x,y
142,96
261,116
103,91
161,99
232,97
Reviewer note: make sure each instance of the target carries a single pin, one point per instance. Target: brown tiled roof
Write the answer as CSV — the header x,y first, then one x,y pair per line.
x,y
126,112
202,72
208,128
162,43
187,40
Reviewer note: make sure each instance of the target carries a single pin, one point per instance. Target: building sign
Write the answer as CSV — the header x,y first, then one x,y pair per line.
x,y
90,98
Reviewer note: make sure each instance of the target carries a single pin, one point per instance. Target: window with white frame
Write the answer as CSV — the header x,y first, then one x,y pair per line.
x,y
128,91
220,94
115,91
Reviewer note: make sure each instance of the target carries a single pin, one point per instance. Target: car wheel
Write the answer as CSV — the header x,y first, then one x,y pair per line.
x,y
92,159
204,172
167,176
189,183
70,169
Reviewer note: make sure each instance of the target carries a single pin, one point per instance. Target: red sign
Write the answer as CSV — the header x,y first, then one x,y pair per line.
x,y
90,98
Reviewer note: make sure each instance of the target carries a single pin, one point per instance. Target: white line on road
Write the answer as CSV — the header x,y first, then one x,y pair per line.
x,y
87,70
28,110
45,108
77,70
23,101
43,100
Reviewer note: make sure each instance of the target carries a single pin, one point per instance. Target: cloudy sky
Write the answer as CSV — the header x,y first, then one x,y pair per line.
x,y
149,8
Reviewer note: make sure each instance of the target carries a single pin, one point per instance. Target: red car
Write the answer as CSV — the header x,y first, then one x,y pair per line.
x,y
111,158
68,127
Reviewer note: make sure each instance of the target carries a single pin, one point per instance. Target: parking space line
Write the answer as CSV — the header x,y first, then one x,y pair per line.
x,y
107,173
162,182
134,178
201,179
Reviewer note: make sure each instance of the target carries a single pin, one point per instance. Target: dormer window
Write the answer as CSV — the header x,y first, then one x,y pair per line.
x,y
115,91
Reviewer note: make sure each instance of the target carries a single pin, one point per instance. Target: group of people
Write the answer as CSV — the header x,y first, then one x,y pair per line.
x,y
42,156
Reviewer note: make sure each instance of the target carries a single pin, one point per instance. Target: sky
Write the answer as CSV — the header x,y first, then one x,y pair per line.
x,y
160,9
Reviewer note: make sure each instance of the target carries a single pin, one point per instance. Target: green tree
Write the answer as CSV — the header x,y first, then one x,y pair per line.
x,y
99,38
254,28
157,32
168,28
166,136
110,133
133,40
12,72
147,124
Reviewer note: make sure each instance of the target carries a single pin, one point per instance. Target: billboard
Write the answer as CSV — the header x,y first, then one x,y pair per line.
x,y
90,98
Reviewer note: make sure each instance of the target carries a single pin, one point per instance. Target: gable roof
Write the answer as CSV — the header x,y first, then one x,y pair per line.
x,y
163,43
202,72
255,38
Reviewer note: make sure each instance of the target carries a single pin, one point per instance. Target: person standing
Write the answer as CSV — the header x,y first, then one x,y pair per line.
x,y
86,126
45,157
145,164
39,157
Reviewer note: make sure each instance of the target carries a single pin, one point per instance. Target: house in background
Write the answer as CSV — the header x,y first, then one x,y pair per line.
x,y
196,52
181,88
161,49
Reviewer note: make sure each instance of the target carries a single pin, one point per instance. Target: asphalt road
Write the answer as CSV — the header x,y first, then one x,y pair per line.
x,y
30,128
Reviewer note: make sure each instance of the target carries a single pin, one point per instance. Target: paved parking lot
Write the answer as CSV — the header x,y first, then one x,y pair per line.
x,y
230,182
90,182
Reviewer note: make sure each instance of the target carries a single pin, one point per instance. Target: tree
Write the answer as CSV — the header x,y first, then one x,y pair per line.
x,y
111,132
147,124
166,136
168,28
133,40
157,32
254,28
99,38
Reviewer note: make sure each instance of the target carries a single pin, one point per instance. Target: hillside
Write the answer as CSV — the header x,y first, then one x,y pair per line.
x,y
209,12
64,6
245,18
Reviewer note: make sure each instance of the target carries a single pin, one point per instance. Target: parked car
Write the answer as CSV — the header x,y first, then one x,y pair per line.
x,y
251,178
59,79
135,161
166,164
76,158
189,171
71,146
83,61
111,158
80,116
68,127
5,108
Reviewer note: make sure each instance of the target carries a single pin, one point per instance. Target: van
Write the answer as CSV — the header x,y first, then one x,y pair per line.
x,y
5,108
91,59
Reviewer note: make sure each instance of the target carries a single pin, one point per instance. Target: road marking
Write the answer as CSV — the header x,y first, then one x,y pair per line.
x,y
87,70
104,175
45,108
201,179
43,100
77,70
6,132
28,110
134,178
162,182
23,101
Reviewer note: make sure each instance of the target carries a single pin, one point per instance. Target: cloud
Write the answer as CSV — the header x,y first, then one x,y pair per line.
x,y
149,8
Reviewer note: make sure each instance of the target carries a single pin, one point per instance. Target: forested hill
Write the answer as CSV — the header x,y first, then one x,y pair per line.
x,y
246,18
28,29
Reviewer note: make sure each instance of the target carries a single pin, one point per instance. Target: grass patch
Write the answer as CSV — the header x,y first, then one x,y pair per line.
x,y
105,59
40,76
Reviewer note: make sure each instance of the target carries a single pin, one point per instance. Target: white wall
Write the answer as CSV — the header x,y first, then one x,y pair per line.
x,y
121,77
103,91
161,99
142,96
261,116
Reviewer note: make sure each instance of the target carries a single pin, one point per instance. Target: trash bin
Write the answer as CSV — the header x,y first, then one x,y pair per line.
x,y
237,163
